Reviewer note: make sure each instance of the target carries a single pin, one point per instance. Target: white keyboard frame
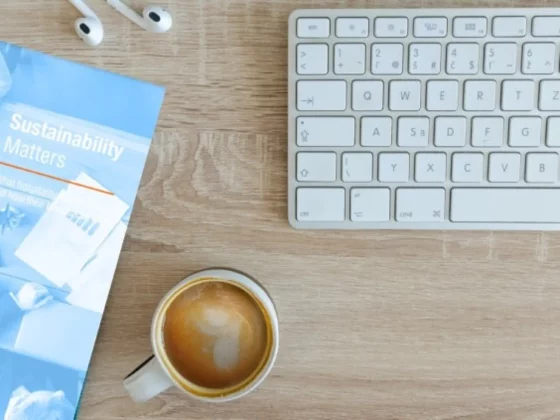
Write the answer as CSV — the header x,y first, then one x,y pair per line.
x,y
293,113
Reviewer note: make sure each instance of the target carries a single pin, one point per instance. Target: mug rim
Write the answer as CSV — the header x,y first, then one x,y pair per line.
x,y
238,278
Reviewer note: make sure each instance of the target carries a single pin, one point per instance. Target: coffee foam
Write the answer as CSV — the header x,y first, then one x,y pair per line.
x,y
215,334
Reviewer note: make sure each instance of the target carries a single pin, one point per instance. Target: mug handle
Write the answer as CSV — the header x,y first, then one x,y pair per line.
x,y
147,380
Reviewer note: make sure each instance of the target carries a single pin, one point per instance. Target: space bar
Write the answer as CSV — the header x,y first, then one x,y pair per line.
x,y
506,205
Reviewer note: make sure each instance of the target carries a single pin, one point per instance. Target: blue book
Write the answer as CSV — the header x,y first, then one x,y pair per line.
x,y
73,145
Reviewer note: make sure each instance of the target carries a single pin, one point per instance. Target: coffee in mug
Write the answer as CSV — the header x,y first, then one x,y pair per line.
x,y
215,336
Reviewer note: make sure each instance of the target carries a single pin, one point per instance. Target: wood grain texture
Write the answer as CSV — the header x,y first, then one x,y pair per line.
x,y
375,325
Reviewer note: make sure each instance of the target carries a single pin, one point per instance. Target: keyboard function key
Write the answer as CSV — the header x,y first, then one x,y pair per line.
x,y
450,131
357,167
320,204
404,95
413,131
316,167
479,95
376,131
504,167
391,27
525,131
370,204
387,58
541,167
367,95
420,205
469,27
393,167
462,58
325,131
424,59
443,95
509,26
352,27
349,59
467,167
546,26
312,59
430,27
553,132
487,132
500,58
313,28
518,95
321,95
549,95
538,58
430,167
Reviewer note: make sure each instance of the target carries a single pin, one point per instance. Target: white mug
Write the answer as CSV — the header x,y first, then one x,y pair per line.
x,y
157,374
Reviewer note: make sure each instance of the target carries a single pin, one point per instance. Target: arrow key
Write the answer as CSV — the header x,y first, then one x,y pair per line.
x,y
312,58
370,204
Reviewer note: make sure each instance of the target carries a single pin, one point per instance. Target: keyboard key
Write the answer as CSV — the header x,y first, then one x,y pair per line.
x,y
480,95
430,167
541,167
504,167
462,58
320,204
387,58
349,58
469,27
325,131
443,95
413,131
321,95
376,131
316,166
518,95
404,95
549,95
352,27
313,28
450,131
553,132
525,131
487,131
514,205
430,27
393,167
420,205
367,95
391,27
357,167
500,58
546,26
467,167
424,59
509,26
370,204
312,59
538,58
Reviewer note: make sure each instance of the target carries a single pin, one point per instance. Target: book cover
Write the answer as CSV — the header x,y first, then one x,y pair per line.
x,y
73,145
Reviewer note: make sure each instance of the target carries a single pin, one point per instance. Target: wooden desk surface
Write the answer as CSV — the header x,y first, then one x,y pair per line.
x,y
375,325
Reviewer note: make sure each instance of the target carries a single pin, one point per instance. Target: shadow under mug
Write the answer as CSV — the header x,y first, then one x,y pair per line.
x,y
157,374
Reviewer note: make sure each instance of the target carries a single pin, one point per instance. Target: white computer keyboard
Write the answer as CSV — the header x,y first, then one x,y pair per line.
x,y
424,119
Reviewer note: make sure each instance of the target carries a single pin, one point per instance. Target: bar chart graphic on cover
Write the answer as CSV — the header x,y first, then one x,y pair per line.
x,y
71,159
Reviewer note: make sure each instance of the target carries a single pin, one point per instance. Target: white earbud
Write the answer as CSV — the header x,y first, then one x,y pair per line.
x,y
153,19
89,28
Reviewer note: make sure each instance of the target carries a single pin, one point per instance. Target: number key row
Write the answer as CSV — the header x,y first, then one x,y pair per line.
x,y
461,58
